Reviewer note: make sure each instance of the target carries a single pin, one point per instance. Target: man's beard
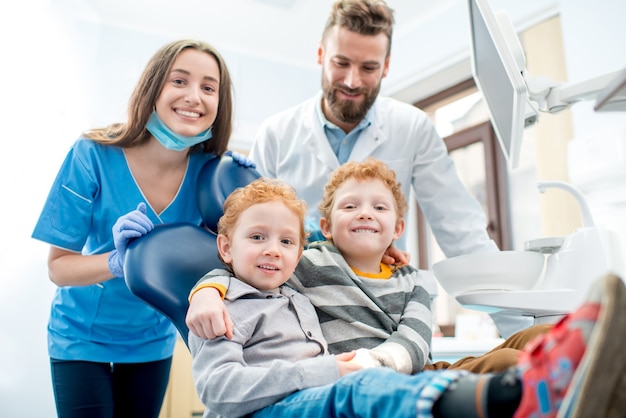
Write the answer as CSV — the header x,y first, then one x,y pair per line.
x,y
348,111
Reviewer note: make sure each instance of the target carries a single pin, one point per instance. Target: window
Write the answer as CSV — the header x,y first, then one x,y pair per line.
x,y
459,116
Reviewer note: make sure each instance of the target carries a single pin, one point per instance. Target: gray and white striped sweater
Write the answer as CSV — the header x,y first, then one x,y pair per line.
x,y
391,317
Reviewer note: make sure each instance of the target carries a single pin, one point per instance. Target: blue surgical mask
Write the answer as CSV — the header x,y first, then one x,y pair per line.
x,y
170,139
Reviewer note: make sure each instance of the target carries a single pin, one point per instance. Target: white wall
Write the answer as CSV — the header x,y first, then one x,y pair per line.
x,y
61,76
41,113
594,45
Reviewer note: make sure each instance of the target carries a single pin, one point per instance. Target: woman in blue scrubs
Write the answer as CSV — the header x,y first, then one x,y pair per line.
x,y
111,353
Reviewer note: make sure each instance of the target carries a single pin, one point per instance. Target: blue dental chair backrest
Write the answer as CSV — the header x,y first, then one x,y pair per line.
x,y
161,267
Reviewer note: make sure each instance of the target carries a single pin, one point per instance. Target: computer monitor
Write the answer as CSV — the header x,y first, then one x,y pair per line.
x,y
498,64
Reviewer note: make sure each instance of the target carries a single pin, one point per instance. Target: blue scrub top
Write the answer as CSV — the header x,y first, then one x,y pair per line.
x,y
105,322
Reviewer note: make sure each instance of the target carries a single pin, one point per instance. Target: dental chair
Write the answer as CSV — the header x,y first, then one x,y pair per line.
x,y
162,266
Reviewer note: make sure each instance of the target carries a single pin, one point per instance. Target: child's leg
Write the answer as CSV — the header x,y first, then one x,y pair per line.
x,y
375,392
501,357
598,328
519,340
496,360
577,369
549,371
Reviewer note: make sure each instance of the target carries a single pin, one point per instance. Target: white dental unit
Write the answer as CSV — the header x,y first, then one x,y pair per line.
x,y
573,262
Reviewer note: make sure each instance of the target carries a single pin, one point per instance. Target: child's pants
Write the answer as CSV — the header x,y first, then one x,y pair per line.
x,y
376,392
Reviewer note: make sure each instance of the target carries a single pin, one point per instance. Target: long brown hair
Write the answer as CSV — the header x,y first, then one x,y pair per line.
x,y
143,100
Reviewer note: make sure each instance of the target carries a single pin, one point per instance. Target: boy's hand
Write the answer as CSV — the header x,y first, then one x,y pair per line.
x,y
207,316
345,363
364,358
395,257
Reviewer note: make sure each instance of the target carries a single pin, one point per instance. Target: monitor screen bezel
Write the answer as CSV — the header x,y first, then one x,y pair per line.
x,y
516,86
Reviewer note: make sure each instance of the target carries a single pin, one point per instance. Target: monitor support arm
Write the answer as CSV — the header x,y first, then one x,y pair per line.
x,y
555,97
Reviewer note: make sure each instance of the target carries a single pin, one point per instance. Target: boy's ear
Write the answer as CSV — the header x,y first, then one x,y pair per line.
x,y
223,247
399,230
325,228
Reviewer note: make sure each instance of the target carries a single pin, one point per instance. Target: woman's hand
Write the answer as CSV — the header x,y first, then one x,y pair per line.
x,y
207,316
132,225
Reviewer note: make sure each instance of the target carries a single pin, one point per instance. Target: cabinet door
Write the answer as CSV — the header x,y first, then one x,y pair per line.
x,y
181,399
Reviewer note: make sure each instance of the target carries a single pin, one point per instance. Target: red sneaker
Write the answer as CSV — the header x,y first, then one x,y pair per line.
x,y
578,369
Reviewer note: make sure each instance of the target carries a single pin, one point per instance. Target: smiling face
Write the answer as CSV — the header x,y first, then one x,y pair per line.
x,y
353,66
189,98
363,222
264,246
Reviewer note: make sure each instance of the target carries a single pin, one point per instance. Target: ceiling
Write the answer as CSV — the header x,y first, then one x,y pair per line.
x,y
430,43
283,30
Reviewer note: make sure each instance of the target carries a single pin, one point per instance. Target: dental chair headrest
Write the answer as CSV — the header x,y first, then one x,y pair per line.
x,y
161,268
217,179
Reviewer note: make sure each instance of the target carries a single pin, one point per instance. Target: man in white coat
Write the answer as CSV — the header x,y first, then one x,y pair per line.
x,y
349,121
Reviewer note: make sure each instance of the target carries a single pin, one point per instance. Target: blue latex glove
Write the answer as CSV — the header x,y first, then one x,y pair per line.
x,y
132,225
240,159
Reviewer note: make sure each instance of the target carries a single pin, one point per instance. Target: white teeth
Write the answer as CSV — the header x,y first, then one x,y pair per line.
x,y
365,230
188,114
268,267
